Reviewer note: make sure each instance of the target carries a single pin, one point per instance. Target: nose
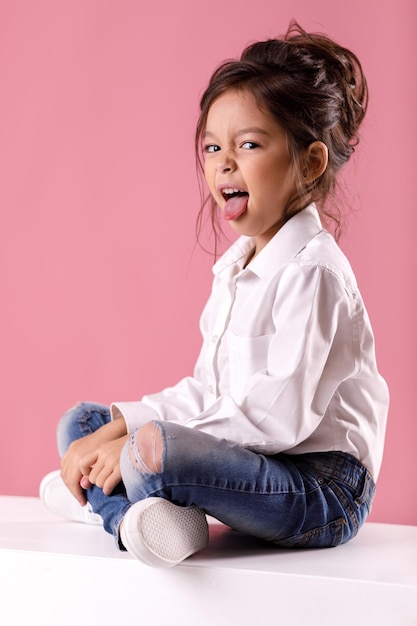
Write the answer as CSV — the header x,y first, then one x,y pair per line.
x,y
226,163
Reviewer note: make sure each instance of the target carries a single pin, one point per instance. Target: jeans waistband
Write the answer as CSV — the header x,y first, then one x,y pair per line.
x,y
336,465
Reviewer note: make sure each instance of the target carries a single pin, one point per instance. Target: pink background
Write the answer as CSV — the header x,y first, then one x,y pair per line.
x,y
101,283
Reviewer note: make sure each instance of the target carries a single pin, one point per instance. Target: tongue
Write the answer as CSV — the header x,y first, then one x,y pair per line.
x,y
235,207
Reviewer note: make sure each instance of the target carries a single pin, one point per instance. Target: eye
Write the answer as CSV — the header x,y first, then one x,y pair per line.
x,y
211,147
249,145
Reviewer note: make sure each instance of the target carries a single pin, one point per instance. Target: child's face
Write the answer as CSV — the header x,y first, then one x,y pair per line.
x,y
246,152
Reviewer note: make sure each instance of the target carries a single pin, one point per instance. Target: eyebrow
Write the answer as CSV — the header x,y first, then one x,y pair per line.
x,y
243,131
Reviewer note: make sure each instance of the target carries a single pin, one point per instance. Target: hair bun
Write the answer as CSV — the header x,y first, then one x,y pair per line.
x,y
325,66
340,69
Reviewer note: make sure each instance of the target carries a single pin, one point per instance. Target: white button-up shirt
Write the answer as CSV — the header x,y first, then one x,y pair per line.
x,y
287,362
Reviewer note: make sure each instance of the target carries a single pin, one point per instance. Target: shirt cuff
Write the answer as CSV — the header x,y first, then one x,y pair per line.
x,y
135,414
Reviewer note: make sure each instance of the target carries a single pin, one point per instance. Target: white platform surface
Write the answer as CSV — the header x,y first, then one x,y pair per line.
x,y
58,573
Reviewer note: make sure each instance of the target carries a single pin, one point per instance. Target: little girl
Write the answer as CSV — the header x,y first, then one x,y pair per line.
x,y
279,433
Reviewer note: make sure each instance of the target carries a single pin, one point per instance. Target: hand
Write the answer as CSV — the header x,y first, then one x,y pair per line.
x,y
102,466
71,472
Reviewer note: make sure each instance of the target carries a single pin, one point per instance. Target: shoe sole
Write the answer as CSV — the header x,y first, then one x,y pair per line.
x,y
163,534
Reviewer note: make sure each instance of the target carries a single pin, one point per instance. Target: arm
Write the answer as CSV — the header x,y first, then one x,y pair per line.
x,y
177,403
283,381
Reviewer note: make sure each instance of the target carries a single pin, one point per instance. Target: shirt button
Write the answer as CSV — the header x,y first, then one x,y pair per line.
x,y
210,389
214,338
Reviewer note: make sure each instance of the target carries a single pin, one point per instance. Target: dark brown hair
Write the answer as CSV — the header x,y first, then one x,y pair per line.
x,y
314,88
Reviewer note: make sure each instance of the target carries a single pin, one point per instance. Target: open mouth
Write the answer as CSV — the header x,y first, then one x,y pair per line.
x,y
236,202
232,192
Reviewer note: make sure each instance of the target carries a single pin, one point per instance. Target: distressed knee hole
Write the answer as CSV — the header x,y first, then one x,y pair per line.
x,y
145,449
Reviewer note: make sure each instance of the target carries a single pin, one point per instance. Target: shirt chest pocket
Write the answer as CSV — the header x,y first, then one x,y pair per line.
x,y
247,355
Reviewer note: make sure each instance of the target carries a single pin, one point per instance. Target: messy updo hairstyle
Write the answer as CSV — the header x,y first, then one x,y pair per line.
x,y
315,89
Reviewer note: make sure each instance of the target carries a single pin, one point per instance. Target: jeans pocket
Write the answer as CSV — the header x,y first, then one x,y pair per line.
x,y
328,536
365,493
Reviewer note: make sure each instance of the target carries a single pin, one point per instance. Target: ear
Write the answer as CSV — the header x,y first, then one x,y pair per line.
x,y
315,161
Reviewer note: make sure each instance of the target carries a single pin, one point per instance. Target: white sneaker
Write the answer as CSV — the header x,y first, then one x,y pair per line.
x,y
59,500
163,534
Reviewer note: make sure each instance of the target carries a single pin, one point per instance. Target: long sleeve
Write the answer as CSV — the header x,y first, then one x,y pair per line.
x,y
287,361
282,381
176,404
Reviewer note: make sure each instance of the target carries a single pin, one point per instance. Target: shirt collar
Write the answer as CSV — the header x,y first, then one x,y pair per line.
x,y
285,245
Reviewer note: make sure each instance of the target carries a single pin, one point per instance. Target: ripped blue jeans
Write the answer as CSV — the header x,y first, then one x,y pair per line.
x,y
314,500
